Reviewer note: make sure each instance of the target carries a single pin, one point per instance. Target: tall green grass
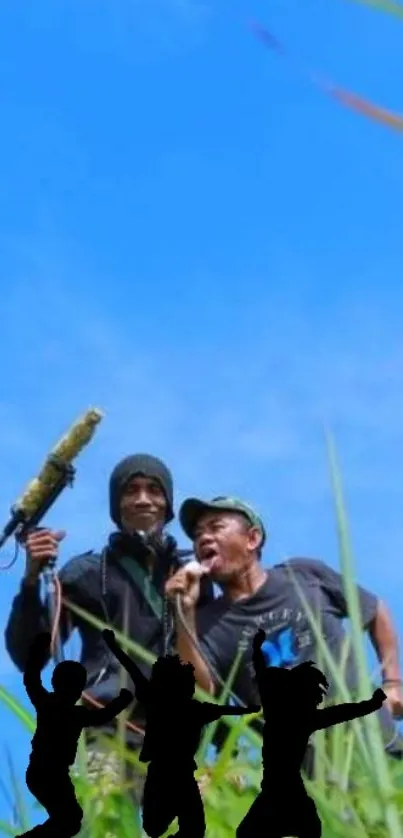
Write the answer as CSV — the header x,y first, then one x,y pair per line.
x,y
357,789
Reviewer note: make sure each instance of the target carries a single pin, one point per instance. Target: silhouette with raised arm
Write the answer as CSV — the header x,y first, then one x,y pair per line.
x,y
290,699
174,725
54,744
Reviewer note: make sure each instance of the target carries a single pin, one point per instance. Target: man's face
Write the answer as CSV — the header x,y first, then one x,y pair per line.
x,y
226,544
143,505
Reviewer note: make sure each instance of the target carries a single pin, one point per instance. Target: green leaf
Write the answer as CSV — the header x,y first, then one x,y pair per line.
x,y
211,729
20,807
17,708
8,830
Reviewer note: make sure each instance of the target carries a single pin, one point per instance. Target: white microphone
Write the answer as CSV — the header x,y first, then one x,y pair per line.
x,y
197,571
195,567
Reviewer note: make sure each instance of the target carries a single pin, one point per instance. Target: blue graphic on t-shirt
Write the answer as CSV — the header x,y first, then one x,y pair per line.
x,y
278,651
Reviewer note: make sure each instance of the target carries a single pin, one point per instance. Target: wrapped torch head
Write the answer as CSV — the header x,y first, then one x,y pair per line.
x,y
57,464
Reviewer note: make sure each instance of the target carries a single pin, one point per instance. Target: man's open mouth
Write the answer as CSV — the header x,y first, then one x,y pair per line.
x,y
209,558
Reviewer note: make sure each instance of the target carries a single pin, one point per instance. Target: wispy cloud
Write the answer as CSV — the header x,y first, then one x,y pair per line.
x,y
251,422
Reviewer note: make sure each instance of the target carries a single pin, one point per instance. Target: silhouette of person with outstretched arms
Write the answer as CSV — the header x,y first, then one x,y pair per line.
x,y
290,699
58,728
174,725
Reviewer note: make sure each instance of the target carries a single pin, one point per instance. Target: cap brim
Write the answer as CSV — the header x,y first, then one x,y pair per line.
x,y
190,513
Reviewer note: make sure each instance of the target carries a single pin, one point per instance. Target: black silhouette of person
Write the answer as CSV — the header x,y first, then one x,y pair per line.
x,y
290,699
174,725
54,744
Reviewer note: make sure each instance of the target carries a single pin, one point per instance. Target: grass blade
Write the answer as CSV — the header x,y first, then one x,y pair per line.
x,y
380,767
21,814
331,665
17,708
210,731
8,830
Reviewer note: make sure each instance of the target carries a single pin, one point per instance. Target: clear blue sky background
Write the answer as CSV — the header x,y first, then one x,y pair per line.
x,y
198,241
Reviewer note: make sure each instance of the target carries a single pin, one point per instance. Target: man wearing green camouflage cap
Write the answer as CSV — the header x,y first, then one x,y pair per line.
x,y
228,537
193,509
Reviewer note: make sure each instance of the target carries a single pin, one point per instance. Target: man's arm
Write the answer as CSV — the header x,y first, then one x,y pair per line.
x,y
140,682
38,655
187,650
385,642
28,618
186,584
347,712
376,620
29,615
95,718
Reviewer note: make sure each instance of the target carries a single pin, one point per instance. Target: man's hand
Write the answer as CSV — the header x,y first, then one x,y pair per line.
x,y
258,640
378,698
186,583
41,548
394,699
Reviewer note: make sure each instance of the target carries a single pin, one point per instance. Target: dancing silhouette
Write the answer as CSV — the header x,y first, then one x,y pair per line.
x,y
290,699
174,725
54,744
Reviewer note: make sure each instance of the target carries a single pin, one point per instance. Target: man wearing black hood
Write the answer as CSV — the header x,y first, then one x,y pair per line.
x,y
125,581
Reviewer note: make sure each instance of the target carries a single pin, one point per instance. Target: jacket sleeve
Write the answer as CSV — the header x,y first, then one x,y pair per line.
x,y
29,616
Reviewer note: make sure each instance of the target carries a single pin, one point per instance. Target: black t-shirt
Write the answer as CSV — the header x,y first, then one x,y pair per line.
x,y
224,626
174,730
58,730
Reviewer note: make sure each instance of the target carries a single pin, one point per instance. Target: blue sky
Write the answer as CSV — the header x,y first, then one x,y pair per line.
x,y
196,240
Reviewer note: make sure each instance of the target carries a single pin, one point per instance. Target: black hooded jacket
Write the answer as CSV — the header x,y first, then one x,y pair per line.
x,y
98,584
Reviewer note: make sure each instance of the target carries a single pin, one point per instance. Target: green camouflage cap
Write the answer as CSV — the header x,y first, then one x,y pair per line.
x,y
192,509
